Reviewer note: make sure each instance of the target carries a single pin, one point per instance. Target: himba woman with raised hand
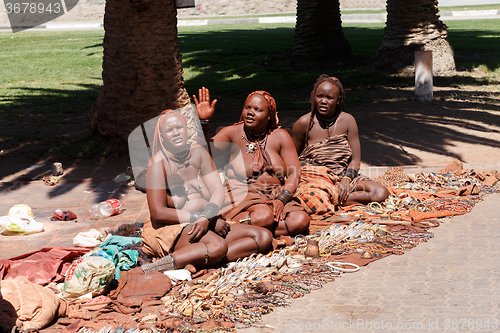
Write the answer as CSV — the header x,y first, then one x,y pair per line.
x,y
327,142
263,170
184,195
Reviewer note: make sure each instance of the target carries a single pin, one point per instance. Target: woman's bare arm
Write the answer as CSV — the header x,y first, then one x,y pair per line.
x,y
289,155
299,131
353,139
211,177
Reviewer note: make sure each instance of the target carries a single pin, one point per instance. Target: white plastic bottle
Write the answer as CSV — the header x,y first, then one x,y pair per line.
x,y
106,209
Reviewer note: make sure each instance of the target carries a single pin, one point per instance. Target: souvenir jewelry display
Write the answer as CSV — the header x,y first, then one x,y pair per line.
x,y
290,273
405,204
245,290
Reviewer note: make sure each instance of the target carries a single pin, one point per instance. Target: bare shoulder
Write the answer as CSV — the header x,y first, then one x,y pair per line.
x,y
280,133
280,138
301,124
227,133
199,155
347,117
304,120
158,157
348,124
156,170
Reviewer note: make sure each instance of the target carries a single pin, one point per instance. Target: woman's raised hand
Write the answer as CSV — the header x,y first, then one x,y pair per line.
x,y
203,107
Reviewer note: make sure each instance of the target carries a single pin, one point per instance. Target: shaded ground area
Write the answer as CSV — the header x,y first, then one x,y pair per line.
x,y
462,122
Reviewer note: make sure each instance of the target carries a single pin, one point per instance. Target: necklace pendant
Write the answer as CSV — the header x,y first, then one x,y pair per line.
x,y
251,147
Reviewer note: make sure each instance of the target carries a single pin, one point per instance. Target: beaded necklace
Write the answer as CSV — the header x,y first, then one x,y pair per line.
x,y
254,142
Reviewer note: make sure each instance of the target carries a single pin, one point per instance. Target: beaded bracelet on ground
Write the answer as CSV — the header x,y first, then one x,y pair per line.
x,y
289,290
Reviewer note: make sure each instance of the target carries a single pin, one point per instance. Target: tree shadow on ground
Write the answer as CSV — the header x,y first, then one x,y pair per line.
x,y
395,133
393,126
45,126
51,125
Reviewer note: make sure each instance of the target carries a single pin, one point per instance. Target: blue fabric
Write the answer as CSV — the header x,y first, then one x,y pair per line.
x,y
112,249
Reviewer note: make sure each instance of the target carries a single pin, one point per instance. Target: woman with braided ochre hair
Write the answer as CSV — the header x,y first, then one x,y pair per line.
x,y
184,195
263,170
327,142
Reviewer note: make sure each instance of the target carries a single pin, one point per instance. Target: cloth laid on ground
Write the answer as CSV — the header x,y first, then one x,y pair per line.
x,y
417,197
90,238
318,225
43,266
443,203
63,215
322,166
360,243
243,195
113,249
354,258
488,178
134,285
135,291
395,174
26,305
447,205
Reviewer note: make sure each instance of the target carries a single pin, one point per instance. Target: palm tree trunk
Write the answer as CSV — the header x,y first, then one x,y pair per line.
x,y
142,67
318,31
414,25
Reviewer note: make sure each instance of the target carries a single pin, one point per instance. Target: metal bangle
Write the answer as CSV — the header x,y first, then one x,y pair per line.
x,y
284,196
194,216
210,211
351,173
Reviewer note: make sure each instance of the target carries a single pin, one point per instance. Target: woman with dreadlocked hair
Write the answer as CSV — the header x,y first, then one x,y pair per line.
x,y
184,195
327,142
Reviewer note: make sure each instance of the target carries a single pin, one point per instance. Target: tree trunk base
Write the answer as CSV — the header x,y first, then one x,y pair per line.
x,y
401,60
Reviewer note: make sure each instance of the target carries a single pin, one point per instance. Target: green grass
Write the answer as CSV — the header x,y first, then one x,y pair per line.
x,y
46,68
51,79
476,43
